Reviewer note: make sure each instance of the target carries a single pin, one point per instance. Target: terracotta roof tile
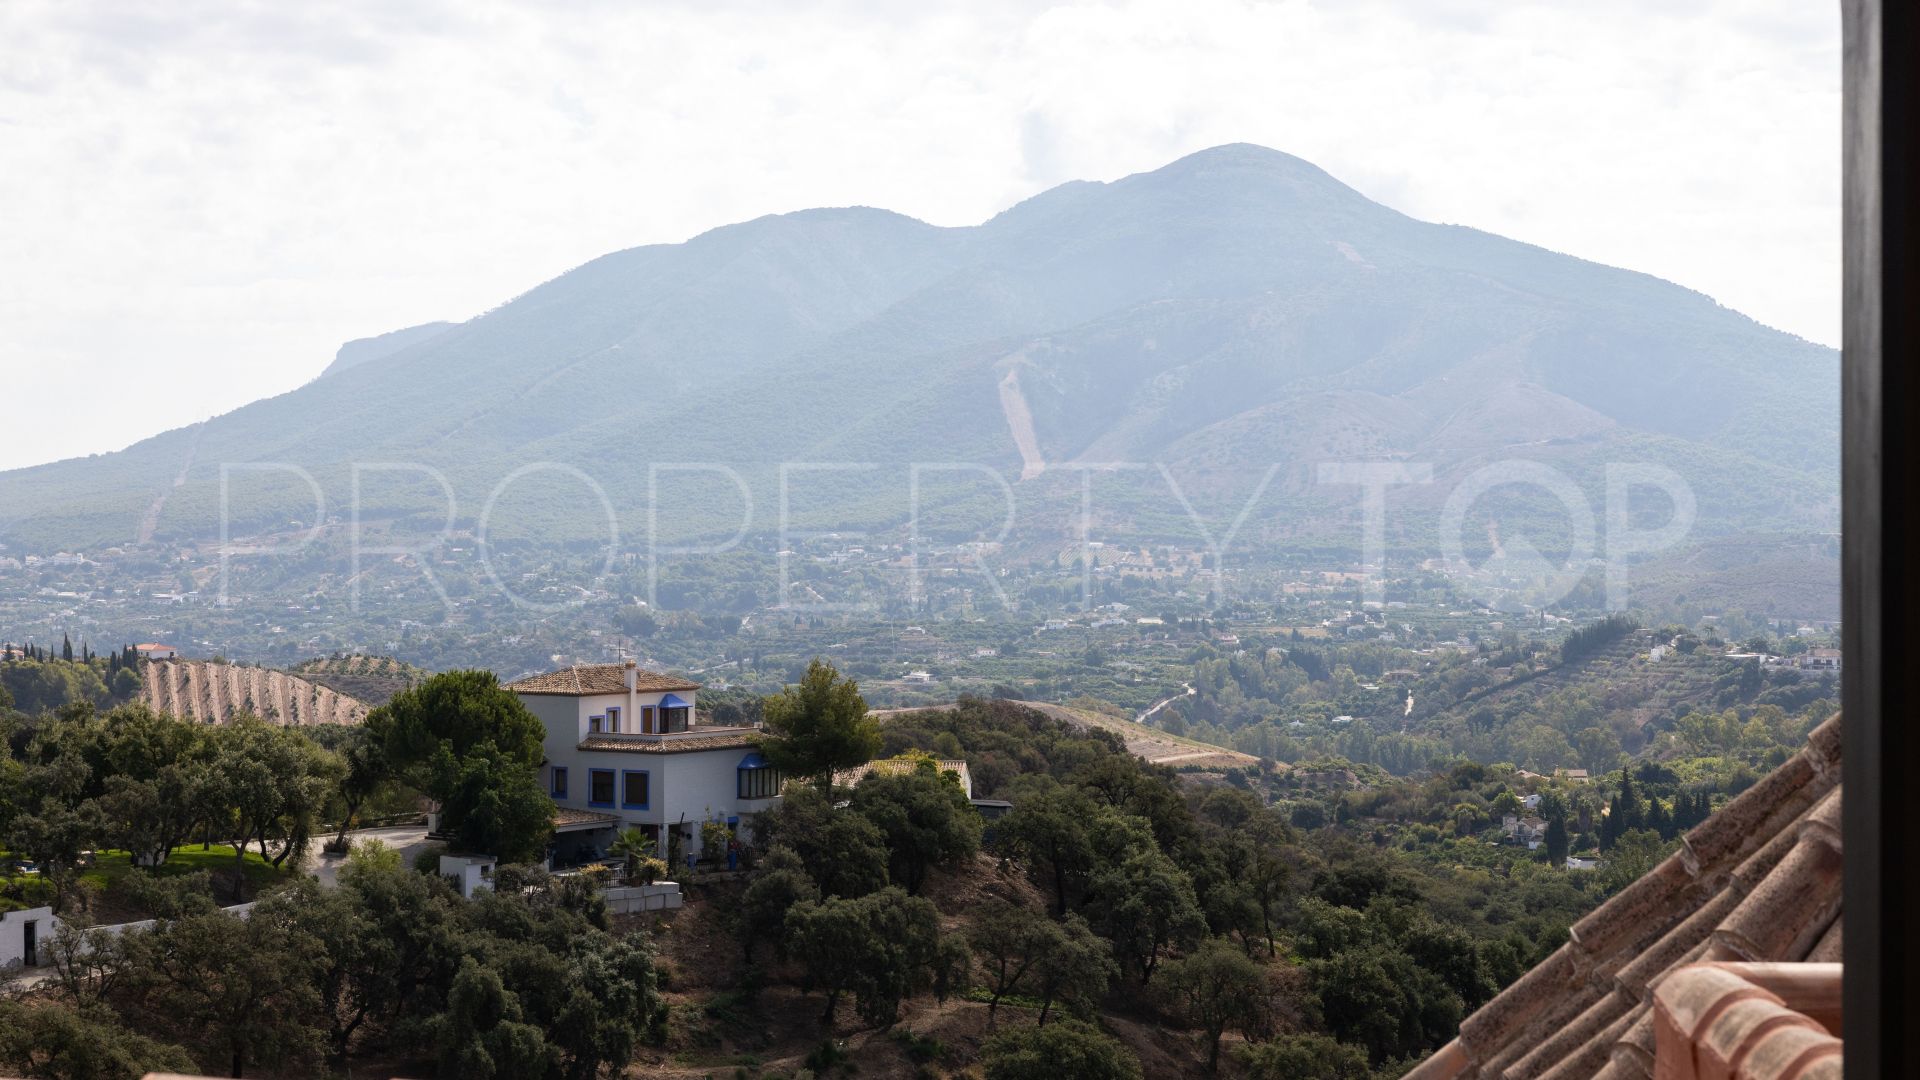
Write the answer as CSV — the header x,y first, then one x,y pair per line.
x,y
1590,1056
582,680
1759,880
1794,1053
1642,910
1788,912
1483,1033
1678,945
1581,1030
1633,1050
1827,949
1554,1019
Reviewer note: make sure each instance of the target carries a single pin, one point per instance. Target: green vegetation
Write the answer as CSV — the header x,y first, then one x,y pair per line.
x,y
818,726
473,747
1064,1048
524,980
143,785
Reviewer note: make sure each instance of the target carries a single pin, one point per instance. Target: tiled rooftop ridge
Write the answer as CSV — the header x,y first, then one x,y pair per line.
x,y
1757,881
582,680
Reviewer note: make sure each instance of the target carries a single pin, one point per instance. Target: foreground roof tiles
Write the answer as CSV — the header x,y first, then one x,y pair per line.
x,y
1757,881
582,680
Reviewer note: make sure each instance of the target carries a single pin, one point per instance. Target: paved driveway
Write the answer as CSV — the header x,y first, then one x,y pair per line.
x,y
408,839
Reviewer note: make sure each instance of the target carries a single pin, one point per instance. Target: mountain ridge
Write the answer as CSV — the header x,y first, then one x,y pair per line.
x,y
1163,313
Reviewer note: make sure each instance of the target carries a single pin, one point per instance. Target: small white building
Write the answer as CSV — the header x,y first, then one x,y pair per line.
x,y
625,748
24,936
469,873
151,651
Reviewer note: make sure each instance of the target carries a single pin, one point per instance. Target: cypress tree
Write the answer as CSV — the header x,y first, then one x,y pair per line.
x,y
66,648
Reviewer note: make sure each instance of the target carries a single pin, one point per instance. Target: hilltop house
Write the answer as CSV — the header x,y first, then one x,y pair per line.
x,y
625,748
153,651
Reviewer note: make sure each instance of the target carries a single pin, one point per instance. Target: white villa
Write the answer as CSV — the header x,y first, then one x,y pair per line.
x,y
624,747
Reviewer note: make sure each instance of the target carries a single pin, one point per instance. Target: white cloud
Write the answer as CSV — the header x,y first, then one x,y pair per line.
x,y
199,203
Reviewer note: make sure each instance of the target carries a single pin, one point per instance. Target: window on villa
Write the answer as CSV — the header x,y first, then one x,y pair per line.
x,y
634,790
759,782
613,720
600,787
595,724
674,719
559,786
646,719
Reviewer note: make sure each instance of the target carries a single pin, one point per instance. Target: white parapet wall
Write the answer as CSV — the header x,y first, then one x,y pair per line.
x,y
633,899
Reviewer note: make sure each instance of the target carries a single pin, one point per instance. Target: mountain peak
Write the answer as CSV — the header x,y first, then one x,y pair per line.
x,y
1247,164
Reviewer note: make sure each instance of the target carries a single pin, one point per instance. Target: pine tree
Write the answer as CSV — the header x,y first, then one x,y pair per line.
x,y
1557,840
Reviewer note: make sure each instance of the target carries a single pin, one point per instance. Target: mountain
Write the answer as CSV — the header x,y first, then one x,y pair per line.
x,y
365,350
1236,311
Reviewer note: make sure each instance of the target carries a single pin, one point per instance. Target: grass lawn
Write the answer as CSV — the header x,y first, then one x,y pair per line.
x,y
111,867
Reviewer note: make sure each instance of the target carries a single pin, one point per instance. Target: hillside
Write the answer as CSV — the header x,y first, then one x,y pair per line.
x,y
1235,311
1147,743
215,693
369,679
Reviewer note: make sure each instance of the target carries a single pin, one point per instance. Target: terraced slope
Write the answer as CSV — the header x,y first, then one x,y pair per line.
x,y
369,679
1627,689
216,693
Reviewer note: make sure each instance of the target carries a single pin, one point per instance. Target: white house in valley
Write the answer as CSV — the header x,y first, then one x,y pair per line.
x,y
625,747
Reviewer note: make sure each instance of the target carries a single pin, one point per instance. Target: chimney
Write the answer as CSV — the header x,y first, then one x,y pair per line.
x,y
630,720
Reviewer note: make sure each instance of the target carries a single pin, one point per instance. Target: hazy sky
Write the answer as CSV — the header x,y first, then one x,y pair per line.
x,y
199,202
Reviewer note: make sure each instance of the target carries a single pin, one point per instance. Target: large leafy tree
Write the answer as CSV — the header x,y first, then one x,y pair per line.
x,y
62,1042
1048,831
779,884
241,989
470,744
845,853
880,947
366,769
273,782
1144,905
1305,1057
819,725
1008,942
1075,970
924,816
1217,988
1067,1048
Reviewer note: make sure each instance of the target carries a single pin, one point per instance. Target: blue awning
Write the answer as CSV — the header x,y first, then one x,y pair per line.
x,y
753,761
674,701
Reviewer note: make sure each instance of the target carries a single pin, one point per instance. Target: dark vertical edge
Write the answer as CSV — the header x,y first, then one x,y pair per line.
x,y
1880,465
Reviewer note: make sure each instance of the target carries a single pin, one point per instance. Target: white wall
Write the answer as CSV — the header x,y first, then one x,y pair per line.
x,y
13,934
690,786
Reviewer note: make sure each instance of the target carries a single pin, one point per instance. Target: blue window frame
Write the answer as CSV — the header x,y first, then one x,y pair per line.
x,y
757,779
559,787
600,787
636,789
